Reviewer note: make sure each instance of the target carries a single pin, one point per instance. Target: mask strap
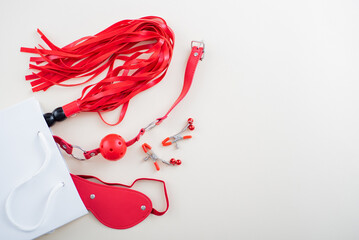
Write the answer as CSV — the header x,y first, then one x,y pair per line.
x,y
27,179
154,211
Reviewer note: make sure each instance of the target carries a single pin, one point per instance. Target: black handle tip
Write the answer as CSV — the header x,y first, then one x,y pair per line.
x,y
56,116
50,119
59,114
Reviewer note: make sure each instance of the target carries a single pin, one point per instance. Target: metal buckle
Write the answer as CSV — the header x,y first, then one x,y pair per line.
x,y
199,44
83,151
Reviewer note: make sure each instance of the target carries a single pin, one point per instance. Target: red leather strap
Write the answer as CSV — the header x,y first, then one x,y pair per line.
x,y
71,108
194,57
91,153
135,139
154,211
67,147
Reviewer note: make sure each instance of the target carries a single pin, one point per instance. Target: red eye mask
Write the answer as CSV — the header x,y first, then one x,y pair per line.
x,y
116,207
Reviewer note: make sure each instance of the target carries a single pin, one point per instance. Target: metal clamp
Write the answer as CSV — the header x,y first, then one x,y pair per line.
x,y
177,137
151,155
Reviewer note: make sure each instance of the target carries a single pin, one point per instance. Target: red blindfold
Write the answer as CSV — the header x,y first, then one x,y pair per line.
x,y
116,205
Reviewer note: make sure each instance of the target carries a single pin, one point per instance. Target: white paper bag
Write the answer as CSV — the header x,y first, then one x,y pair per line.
x,y
35,183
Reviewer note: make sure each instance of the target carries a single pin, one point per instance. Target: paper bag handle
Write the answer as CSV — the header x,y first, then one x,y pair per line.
x,y
27,179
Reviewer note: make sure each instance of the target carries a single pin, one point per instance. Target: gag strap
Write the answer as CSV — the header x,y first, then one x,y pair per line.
x,y
154,211
197,54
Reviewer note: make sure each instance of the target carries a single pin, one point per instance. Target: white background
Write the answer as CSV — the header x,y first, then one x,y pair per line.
x,y
275,104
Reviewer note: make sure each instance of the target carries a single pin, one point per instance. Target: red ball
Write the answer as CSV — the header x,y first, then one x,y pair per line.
x,y
113,147
178,162
191,127
173,161
190,120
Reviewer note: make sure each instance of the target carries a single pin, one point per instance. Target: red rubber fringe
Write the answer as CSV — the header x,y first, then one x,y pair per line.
x,y
144,47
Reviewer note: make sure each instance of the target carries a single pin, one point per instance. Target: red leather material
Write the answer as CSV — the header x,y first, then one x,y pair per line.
x,y
135,139
63,144
92,153
194,57
142,46
115,207
71,108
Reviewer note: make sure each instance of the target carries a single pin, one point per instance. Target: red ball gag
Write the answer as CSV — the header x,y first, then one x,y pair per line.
x,y
113,147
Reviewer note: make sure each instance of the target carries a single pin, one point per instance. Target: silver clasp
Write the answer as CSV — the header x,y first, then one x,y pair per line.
x,y
151,125
83,151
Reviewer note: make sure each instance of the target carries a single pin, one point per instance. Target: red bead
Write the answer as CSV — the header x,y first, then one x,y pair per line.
x,y
113,147
178,162
173,161
191,127
190,120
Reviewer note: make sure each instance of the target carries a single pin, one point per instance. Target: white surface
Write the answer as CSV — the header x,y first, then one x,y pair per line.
x,y
275,102
22,154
